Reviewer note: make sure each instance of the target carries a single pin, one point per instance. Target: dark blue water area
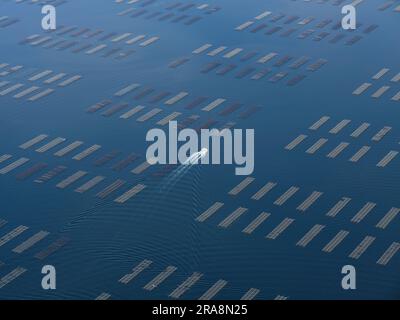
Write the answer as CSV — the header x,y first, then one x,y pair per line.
x,y
108,239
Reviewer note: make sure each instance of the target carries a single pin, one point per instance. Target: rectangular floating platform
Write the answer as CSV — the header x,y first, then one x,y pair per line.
x,y
241,186
186,285
86,153
103,296
359,154
341,125
264,190
386,159
362,88
147,116
244,25
336,151
40,95
33,141
27,244
149,41
216,51
70,81
286,196
55,142
3,222
130,193
214,104
339,206
227,222
209,212
396,97
71,179
279,297
202,48
12,166
25,92
360,215
31,171
245,72
98,106
389,254
213,291
5,157
11,276
319,123
127,90
90,184
336,240
132,112
299,62
316,146
114,109
256,222
381,134
296,142
267,57
310,235
389,217
52,248
250,294
135,39
11,89
233,53
106,158
54,78
141,168
360,130
153,284
378,93
280,228
169,118
362,247
396,78
177,98
317,65
68,149
380,74
260,74
315,195
51,174
12,234
110,189
96,49
125,162
135,271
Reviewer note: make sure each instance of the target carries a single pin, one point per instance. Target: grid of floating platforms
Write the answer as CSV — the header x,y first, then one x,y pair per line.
x,y
268,24
278,229
178,12
271,66
183,287
171,106
343,147
304,205
91,42
387,89
37,86
30,241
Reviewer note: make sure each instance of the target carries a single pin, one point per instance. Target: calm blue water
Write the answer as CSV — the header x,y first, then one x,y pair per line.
x,y
107,240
